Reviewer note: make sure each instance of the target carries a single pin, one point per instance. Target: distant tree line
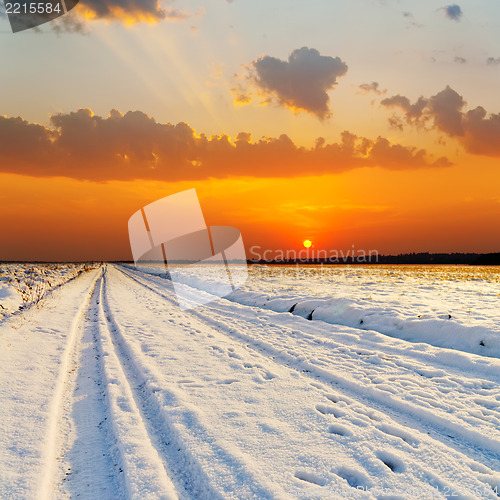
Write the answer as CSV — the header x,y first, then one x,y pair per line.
x,y
491,259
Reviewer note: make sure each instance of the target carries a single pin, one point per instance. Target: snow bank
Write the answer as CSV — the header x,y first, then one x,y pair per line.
x,y
441,331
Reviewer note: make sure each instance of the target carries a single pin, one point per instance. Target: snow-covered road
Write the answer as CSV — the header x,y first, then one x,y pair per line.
x,y
111,391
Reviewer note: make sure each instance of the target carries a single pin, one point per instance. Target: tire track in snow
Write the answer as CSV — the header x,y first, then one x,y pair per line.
x,y
187,473
51,447
146,474
423,362
169,449
417,418
90,462
134,467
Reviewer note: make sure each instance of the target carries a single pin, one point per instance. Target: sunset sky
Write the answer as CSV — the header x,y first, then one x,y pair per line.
x,y
373,123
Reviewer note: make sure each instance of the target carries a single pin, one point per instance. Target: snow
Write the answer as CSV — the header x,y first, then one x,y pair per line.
x,y
407,302
25,285
109,390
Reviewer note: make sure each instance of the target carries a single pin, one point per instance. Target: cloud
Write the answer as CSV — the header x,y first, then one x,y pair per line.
x,y
371,87
475,129
393,156
493,60
71,22
242,96
301,83
131,146
460,60
130,11
453,12
446,109
481,132
127,12
412,112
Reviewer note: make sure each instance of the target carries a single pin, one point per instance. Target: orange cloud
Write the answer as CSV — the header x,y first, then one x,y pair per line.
x,y
138,10
127,12
82,145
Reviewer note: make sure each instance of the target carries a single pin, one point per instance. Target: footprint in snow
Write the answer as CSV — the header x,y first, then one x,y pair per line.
x,y
392,430
339,430
228,381
318,386
262,378
268,428
330,410
334,398
394,463
268,375
309,477
477,467
355,478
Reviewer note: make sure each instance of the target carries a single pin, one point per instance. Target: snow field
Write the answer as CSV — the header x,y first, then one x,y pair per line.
x,y
111,391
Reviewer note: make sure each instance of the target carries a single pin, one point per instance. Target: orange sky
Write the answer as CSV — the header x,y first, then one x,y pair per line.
x,y
65,219
250,103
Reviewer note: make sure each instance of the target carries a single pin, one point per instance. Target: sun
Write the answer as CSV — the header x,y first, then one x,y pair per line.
x,y
307,243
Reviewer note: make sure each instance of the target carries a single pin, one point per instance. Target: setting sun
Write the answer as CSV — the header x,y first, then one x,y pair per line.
x,y
307,243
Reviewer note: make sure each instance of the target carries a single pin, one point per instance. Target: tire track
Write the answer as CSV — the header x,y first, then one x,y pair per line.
x,y
91,462
51,447
490,369
166,415
163,437
447,433
146,474
107,450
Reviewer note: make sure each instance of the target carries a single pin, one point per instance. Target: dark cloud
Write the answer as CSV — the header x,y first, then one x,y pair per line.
x,y
134,146
71,22
411,18
300,83
446,109
130,11
412,112
127,12
372,87
493,60
476,130
481,132
460,60
453,12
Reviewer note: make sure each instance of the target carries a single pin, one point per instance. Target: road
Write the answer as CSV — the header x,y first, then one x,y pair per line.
x,y
111,391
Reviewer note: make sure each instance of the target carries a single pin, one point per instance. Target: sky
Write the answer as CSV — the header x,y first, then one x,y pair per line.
x,y
365,123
